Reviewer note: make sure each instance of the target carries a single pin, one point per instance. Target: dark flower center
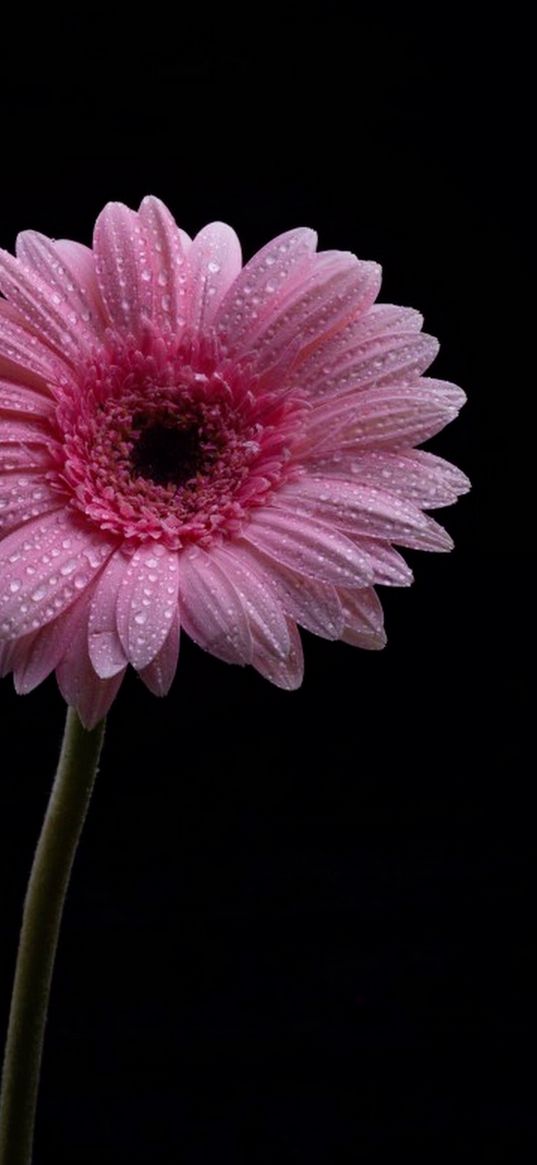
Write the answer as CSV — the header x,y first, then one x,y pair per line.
x,y
167,454
155,448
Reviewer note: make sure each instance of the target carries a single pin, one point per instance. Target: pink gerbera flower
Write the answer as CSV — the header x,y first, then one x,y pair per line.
x,y
188,442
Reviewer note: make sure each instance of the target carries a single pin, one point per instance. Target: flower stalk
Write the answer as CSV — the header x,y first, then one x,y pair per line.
x,y
43,910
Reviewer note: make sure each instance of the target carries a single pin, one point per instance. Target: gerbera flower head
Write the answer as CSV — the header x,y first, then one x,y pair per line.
x,y
189,442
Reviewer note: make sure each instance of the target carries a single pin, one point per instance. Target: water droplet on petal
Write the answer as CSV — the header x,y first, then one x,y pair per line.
x,y
39,593
69,566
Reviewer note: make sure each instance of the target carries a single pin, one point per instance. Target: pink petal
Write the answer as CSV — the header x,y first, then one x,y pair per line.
x,y
24,497
361,509
282,261
67,271
26,431
385,318
147,602
44,567
104,645
214,262
307,547
50,314
364,619
212,612
387,566
339,287
24,458
8,654
156,216
423,478
21,348
432,536
394,417
124,269
80,261
79,684
373,348
17,398
314,605
259,598
336,286
159,674
169,246
39,654
382,361
284,673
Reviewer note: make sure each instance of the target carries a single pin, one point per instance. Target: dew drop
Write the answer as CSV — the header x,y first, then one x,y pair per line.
x,y
39,593
68,567
92,556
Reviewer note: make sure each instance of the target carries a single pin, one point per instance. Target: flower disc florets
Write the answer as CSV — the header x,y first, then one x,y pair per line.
x,y
173,443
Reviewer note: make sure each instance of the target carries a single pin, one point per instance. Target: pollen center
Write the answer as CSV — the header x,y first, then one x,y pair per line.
x,y
172,448
166,454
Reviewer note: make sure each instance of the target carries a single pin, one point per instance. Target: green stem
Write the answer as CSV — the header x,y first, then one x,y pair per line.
x,y
41,922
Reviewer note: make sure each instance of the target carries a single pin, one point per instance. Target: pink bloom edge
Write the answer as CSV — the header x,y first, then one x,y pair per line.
x,y
189,442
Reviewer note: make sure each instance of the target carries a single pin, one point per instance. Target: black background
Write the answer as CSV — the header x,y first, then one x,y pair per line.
x,y
299,925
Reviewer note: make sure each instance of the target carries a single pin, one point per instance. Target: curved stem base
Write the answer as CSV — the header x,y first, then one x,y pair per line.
x,y
43,909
